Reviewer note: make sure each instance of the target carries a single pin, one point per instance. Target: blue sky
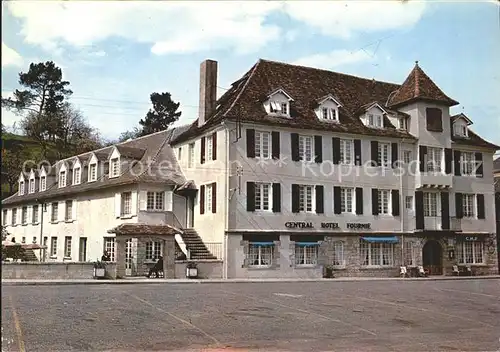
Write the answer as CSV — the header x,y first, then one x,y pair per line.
x,y
116,54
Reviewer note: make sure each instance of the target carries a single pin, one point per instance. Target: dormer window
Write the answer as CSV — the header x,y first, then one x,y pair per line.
x,y
32,186
403,123
62,179
279,107
21,188
375,120
330,114
77,175
43,183
278,103
460,130
92,172
114,167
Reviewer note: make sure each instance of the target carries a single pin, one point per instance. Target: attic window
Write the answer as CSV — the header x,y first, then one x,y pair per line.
x,y
330,114
375,121
43,183
92,172
403,123
62,179
32,186
460,130
115,167
21,188
77,175
277,107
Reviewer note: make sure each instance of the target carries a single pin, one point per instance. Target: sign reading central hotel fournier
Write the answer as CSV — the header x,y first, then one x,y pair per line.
x,y
326,225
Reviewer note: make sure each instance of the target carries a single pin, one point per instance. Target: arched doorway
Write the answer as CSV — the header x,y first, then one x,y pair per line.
x,y
432,257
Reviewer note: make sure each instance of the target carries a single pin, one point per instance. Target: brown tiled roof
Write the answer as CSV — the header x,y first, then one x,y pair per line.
x,y
130,152
473,140
306,86
419,86
157,165
144,230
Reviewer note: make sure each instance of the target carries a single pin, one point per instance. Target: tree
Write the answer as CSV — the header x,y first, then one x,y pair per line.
x,y
12,162
41,101
162,115
131,134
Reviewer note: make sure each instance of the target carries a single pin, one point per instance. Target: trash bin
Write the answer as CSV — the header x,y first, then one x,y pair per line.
x,y
191,270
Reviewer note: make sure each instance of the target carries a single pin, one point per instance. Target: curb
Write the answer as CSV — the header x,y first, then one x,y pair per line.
x,y
21,282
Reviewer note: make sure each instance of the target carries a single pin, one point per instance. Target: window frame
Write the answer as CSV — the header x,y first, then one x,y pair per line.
x,y
21,188
303,148
436,166
469,203
380,202
260,197
53,247
409,203
384,154
24,215
110,247
62,178
154,198
260,254
344,198
43,183
35,214
92,176
260,139
303,201
209,148
31,188
338,262
54,212
68,246
376,120
191,155
376,254
467,164
309,257
463,254
68,210
77,175
5,213
208,198
407,156
126,204
13,219
429,197
346,151
153,250
114,167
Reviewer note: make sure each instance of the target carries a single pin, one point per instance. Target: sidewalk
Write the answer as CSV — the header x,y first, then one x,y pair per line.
x,y
144,281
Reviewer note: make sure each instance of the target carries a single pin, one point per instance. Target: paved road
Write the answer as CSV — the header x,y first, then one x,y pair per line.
x,y
336,316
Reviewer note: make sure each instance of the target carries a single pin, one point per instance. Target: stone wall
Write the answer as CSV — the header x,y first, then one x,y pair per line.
x,y
36,270
207,269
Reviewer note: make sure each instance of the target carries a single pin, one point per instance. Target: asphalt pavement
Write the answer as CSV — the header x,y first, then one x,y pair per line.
x,y
460,315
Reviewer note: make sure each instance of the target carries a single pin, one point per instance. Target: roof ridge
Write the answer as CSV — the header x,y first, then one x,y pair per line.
x,y
322,69
157,152
243,88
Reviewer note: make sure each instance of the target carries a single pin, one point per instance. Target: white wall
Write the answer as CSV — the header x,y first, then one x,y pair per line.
x,y
209,226
95,215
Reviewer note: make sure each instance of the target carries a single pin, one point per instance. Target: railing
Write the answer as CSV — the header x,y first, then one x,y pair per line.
x,y
216,248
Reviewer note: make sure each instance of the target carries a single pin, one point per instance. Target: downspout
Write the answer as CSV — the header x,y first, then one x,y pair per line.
x,y
403,205
226,203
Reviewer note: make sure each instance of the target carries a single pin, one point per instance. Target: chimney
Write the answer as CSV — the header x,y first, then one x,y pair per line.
x,y
208,90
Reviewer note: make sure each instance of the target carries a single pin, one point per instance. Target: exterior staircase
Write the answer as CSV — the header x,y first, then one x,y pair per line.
x,y
30,256
195,246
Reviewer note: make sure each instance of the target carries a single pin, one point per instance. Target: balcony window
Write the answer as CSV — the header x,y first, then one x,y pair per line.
x,y
430,204
467,163
434,159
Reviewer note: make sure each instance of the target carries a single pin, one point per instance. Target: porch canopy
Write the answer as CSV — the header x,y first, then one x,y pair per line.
x,y
385,239
165,234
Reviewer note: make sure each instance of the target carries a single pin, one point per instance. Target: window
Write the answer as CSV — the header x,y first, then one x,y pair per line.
x,y
69,210
262,142
434,159
34,215
23,239
407,157
384,157
409,202
346,150
24,215
468,205
263,196
62,179
330,114
115,167
14,216
434,119
179,153
430,204
383,201
460,130
21,188
277,107
77,176
43,183
126,204
338,253
306,198
467,163
109,246
82,250
4,217
306,255
53,246
306,152
32,186
284,108
375,120
260,254
470,252
92,172
402,123
55,212
346,199
208,198
410,254
191,155
376,254
67,247
155,200
34,239
153,250
209,148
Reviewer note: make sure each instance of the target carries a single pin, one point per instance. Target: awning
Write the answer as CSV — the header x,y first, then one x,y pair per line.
x,y
388,239
306,244
262,243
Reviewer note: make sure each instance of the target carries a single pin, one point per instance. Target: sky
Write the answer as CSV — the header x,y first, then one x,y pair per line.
x,y
115,54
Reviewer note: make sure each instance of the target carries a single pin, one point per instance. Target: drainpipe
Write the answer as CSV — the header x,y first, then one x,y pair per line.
x,y
403,205
226,202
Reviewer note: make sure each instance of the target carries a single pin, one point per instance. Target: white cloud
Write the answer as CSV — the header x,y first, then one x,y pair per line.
x,y
342,19
192,26
333,59
10,57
